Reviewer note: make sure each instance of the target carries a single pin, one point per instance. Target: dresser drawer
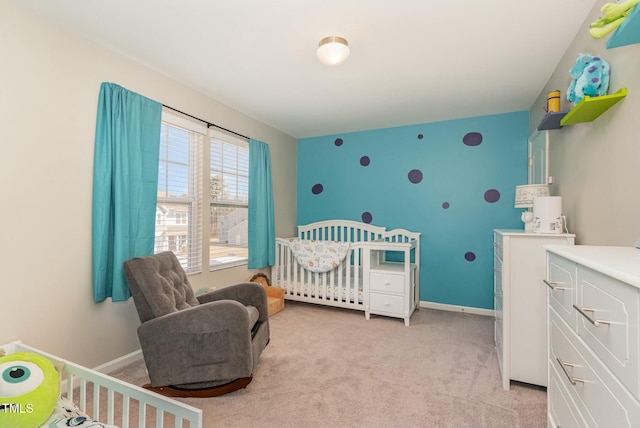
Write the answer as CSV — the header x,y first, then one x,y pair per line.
x,y
385,282
608,323
497,275
386,304
598,396
562,411
562,285
499,341
498,245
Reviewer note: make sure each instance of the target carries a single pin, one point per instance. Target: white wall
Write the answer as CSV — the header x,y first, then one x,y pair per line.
x,y
596,166
48,98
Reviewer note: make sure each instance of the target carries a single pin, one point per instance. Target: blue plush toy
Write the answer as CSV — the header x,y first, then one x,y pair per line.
x,y
590,77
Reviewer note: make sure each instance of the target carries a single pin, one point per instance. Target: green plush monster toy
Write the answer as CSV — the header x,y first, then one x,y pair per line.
x,y
29,389
613,16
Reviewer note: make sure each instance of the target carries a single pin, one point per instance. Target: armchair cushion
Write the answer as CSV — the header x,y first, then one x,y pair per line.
x,y
162,282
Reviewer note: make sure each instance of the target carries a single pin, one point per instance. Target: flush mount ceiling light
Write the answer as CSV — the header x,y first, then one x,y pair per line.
x,y
333,50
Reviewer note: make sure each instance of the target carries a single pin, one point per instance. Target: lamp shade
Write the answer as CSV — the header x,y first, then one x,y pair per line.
x,y
526,193
333,50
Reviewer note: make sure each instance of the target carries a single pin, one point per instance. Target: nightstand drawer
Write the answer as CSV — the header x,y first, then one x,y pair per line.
x,y
609,323
386,303
385,282
562,284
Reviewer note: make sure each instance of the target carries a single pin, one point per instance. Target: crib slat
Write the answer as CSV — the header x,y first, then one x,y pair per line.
x,y
159,418
96,401
126,402
110,406
83,395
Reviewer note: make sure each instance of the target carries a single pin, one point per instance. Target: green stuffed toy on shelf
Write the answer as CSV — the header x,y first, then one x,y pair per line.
x,y
29,389
613,15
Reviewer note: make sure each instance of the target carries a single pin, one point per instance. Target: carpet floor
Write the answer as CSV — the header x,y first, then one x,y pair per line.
x,y
327,367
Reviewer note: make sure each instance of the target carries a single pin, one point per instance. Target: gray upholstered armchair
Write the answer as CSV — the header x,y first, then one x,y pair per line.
x,y
196,346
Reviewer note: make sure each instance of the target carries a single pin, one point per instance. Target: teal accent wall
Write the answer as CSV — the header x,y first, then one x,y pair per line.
x,y
453,181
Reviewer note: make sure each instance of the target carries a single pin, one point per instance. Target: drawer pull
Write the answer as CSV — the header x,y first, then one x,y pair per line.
x,y
583,312
554,285
572,379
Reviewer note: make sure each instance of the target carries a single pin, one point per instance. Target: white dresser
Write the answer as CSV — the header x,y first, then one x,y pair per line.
x,y
594,336
520,304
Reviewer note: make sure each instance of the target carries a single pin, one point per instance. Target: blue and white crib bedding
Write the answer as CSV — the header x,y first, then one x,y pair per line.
x,y
67,414
318,256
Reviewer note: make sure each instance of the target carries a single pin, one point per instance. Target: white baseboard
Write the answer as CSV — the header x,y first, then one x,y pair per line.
x,y
456,308
118,363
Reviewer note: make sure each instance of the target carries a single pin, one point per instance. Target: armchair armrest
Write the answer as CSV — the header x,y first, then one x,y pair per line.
x,y
209,341
247,293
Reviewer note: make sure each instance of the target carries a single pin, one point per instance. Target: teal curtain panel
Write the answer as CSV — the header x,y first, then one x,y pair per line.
x,y
262,236
125,183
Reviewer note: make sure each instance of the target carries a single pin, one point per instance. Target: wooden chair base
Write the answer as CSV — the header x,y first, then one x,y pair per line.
x,y
214,391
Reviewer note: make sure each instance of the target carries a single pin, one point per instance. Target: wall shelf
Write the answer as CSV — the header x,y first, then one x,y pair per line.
x,y
552,120
590,108
628,32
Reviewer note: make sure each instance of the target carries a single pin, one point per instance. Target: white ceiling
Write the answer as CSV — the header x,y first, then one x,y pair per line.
x,y
412,61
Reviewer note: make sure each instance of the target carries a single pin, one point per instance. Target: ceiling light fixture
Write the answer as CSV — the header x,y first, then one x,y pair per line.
x,y
333,50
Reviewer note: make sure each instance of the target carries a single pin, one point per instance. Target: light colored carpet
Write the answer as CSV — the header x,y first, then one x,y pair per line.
x,y
328,367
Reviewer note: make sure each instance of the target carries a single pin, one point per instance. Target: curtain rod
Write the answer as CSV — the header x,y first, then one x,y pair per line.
x,y
209,124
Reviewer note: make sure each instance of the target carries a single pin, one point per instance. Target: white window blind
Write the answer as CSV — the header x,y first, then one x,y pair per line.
x,y
179,211
229,199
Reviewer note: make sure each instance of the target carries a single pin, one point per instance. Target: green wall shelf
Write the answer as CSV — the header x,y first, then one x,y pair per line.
x,y
628,33
552,120
590,108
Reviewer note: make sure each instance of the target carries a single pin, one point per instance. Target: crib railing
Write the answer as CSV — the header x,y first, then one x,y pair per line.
x,y
341,286
114,401
341,230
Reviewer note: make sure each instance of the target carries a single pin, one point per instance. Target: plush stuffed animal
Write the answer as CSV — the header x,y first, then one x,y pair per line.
x,y
614,15
29,389
590,77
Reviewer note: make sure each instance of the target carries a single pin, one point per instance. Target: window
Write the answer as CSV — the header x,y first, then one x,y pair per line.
x,y
183,178
229,199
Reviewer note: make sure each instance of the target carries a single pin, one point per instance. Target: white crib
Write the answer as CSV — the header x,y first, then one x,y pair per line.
x,y
112,401
349,285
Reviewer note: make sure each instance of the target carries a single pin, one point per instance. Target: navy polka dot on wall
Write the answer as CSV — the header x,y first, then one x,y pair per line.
x,y
317,189
338,142
469,256
420,136
472,139
415,176
367,217
365,161
491,196
445,205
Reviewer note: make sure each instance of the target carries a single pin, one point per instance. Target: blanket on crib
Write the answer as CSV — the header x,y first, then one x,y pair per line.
x,y
67,414
318,256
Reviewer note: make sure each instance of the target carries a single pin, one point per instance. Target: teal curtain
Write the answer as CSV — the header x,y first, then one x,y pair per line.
x,y
125,185
262,236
